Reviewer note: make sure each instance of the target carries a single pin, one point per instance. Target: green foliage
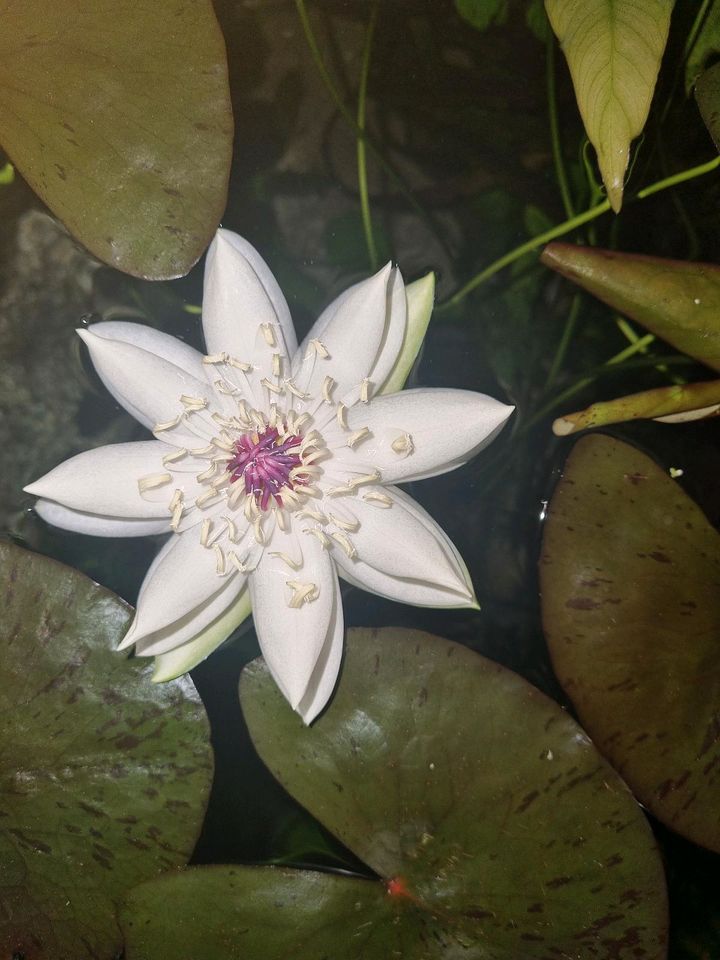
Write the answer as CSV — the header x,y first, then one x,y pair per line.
x,y
482,13
707,92
613,49
121,124
705,47
630,578
104,777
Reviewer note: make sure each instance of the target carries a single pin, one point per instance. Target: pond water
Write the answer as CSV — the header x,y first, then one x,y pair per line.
x,y
462,116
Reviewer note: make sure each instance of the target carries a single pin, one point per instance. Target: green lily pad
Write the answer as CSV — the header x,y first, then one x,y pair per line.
x,y
676,300
121,121
630,576
104,776
494,827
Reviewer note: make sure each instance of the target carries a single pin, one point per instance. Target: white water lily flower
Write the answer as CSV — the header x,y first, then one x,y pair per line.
x,y
273,467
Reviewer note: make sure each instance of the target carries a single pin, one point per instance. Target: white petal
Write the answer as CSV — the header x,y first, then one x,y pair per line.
x,y
442,428
240,294
292,640
324,676
206,621
174,663
420,298
105,481
182,577
395,332
353,330
154,341
404,555
97,526
149,387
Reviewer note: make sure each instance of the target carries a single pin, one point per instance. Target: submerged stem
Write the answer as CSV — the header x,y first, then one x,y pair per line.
x,y
361,151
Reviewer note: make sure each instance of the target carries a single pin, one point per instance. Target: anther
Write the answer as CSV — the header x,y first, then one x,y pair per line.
x,y
274,388
320,348
205,529
378,498
193,403
176,499
215,358
239,364
206,498
403,444
207,474
174,457
177,515
303,592
340,415
167,424
294,389
276,364
327,385
344,542
220,559
237,562
320,535
224,444
365,391
231,529
258,531
293,564
203,451
351,526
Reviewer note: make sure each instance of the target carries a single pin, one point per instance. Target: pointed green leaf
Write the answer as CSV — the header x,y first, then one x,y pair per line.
x,y
420,300
707,93
630,577
613,49
676,300
104,777
119,117
481,13
705,47
171,665
473,796
676,403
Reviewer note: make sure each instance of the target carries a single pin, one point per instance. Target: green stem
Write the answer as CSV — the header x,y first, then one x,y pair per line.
x,y
564,341
572,224
555,129
361,134
361,151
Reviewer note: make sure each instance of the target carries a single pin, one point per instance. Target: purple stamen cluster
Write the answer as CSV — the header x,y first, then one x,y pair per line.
x,y
264,461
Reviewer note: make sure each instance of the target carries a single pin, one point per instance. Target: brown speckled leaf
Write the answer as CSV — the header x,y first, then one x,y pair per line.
x,y
104,776
630,575
117,113
506,834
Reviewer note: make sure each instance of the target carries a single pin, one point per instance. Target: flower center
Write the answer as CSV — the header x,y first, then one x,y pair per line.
x,y
267,464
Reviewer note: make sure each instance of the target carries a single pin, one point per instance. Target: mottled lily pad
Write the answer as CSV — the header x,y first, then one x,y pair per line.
x,y
119,117
104,776
494,827
630,576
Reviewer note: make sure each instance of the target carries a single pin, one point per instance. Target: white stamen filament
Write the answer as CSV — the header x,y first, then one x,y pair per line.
x,y
365,391
320,349
320,535
340,415
276,365
176,499
250,509
272,387
236,496
378,498
222,386
293,564
220,559
240,364
205,529
357,437
269,334
351,525
152,481
167,424
258,531
303,592
362,479
174,457
207,474
344,542
203,451
294,390
177,515
282,520
237,562
232,530
327,386
311,513
205,499
193,403
223,444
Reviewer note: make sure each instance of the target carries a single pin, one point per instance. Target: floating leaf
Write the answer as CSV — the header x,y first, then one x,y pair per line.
x,y
707,92
677,403
613,49
121,121
104,777
630,576
673,299
495,828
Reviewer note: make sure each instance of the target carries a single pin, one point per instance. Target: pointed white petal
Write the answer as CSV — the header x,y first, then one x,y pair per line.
x,y
292,639
182,577
432,430
96,526
240,294
207,622
105,481
404,555
148,386
420,299
352,329
154,341
395,332
324,676
174,663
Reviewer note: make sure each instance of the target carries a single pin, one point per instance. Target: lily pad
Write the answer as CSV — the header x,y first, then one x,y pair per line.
x,y
494,827
104,776
613,49
676,300
630,576
120,120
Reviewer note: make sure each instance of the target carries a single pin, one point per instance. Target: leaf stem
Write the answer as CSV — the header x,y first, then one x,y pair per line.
x,y
560,172
361,151
570,224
